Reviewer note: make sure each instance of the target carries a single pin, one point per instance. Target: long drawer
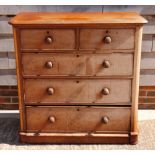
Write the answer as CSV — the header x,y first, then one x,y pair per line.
x,y
77,119
53,39
71,91
77,64
107,39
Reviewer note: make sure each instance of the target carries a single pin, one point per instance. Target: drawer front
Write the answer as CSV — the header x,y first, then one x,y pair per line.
x,y
78,119
100,39
55,39
69,91
77,65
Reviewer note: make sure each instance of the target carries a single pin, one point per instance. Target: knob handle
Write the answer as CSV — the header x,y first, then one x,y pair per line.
x,y
107,39
105,119
105,91
48,40
49,64
51,119
50,91
106,64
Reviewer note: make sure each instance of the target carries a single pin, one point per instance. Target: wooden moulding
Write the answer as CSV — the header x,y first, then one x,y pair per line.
x,y
134,138
135,86
47,18
74,138
19,80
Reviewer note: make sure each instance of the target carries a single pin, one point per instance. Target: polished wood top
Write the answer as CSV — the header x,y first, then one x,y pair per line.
x,y
37,18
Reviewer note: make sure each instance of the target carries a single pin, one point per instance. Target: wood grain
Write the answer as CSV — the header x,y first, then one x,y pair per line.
x,y
77,64
135,86
19,81
58,103
77,119
94,39
64,138
35,39
70,92
75,18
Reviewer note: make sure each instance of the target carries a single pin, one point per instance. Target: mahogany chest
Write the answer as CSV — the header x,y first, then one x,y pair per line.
x,y
78,76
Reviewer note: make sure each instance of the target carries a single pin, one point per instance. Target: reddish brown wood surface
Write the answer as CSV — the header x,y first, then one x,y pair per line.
x,y
85,138
77,64
95,39
76,18
70,92
78,119
37,39
87,41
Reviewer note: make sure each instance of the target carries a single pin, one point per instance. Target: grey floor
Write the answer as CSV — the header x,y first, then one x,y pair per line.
x,y
9,127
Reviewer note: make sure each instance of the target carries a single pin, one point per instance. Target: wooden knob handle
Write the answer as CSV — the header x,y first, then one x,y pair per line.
x,y
105,119
107,39
105,91
50,91
49,64
106,64
51,119
48,40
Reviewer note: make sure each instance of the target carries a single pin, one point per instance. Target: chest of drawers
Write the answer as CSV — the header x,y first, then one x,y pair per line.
x,y
78,76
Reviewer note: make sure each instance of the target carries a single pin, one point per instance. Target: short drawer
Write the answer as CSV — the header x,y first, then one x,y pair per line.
x,y
78,119
71,91
107,39
77,64
52,39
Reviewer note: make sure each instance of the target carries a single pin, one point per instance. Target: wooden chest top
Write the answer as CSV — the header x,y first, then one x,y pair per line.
x,y
38,18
